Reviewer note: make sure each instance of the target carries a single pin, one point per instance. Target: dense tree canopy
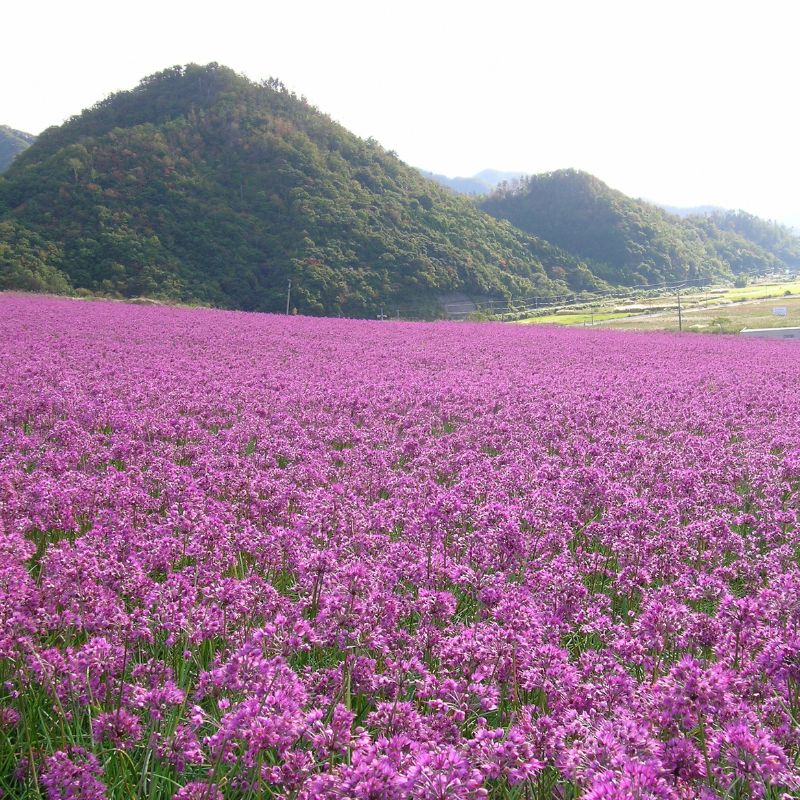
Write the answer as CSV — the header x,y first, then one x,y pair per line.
x,y
778,239
627,241
201,185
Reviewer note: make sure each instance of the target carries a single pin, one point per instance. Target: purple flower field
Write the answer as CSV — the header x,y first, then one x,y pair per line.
x,y
251,556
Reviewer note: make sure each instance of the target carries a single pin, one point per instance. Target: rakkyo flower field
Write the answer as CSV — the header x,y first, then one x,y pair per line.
x,y
250,556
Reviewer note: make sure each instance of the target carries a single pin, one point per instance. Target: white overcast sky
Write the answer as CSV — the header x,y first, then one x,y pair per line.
x,y
686,103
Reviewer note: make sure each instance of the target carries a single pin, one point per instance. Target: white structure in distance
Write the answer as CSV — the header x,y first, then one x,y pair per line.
x,y
772,333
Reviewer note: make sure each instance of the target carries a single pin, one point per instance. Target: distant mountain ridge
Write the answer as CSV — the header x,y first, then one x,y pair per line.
x,y
630,241
482,183
12,142
791,225
694,211
201,185
780,240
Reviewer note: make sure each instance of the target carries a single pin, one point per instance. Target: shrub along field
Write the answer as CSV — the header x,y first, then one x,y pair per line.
x,y
247,556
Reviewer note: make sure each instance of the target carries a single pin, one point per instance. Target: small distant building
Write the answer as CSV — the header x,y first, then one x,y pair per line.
x,y
772,333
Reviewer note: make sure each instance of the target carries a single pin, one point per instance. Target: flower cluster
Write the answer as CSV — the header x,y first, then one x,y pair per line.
x,y
252,556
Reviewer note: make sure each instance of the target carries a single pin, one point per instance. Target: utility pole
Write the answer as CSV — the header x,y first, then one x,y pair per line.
x,y
381,316
288,296
680,317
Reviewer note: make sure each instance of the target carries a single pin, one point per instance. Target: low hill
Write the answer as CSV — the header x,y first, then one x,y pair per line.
x,y
740,221
12,142
628,241
201,185
780,240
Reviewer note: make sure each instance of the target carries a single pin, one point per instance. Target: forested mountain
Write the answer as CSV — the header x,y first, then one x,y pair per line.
x,y
482,183
740,221
633,242
201,185
12,142
779,239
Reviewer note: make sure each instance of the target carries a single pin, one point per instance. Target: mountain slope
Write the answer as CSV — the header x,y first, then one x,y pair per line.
x,y
201,185
626,241
12,142
780,240
740,221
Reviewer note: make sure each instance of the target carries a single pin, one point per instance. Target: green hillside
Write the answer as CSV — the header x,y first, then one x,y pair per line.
x,y
12,142
778,239
201,185
627,241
